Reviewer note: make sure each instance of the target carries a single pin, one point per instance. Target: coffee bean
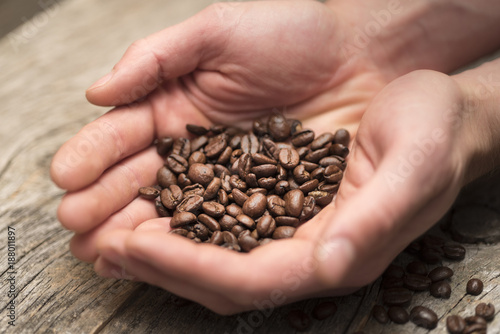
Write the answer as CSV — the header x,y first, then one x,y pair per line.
x,y
225,156
171,196
474,286
201,231
302,138
339,150
474,319
227,222
423,317
278,127
267,182
281,187
380,314
398,315
264,170
244,164
239,197
209,222
322,198
262,159
252,191
299,320
454,252
149,192
217,238
283,232
182,147
212,189
486,311
308,186
182,218
342,136
440,289
165,177
194,189
417,282
251,180
196,129
183,181
322,140
294,202
287,221
213,209
247,243
200,173
190,204
161,209
417,267
238,229
236,183
397,296
216,145
270,148
229,237
317,155
276,205
179,231
266,226
249,143
163,145
234,210
198,142
231,246
333,174
295,125
255,205
197,157
440,273
475,329
455,324
300,174
289,158
324,310
246,221
259,127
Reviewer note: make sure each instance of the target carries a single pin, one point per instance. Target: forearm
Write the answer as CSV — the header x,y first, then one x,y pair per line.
x,y
481,117
408,35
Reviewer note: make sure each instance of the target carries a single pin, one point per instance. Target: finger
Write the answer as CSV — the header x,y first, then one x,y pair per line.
x,y
83,210
102,143
165,55
84,246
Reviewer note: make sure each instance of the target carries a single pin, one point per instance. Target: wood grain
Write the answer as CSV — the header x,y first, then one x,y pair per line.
x,y
44,70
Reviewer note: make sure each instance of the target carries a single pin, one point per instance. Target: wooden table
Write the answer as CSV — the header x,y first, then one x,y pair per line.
x,y
45,66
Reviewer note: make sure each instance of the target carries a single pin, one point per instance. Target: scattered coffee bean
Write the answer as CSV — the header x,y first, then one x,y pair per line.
x,y
474,286
380,314
455,324
299,320
440,273
454,252
417,282
441,289
486,311
475,329
398,314
397,296
474,319
149,192
423,317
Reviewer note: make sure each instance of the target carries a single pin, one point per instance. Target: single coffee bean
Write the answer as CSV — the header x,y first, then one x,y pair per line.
x,y
440,289
455,324
197,157
196,129
190,204
262,159
149,192
392,282
308,209
259,127
440,273
394,271
227,222
225,156
417,267
165,177
475,329
282,173
380,314
487,311
266,226
324,310
183,181
234,210
289,158
287,221
294,202
309,166
200,173
302,138
454,252
236,183
283,232
397,296
229,238
163,145
182,147
255,205
299,320
333,174
417,282
474,319
264,170
216,145
398,315
246,221
474,286
342,136
322,198
217,238
322,140
317,155
339,150
330,188
281,187
212,189
194,189
300,175
182,218
180,231
270,148
209,222
201,231
198,142
161,210
239,197
171,196
423,317
237,153
308,186
244,164
276,205
278,127
247,242
191,235
252,191
177,163
267,182
251,180
295,125
213,209
249,143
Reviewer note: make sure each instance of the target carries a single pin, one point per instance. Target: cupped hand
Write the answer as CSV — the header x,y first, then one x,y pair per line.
x,y
406,167
230,63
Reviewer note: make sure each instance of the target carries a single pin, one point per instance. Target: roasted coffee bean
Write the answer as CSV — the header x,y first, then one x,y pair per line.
x,y
213,209
222,197
266,226
259,127
474,286
318,173
486,311
454,252
339,150
276,205
149,192
201,231
267,182
282,173
264,170
229,238
236,183
197,157
216,145
342,136
293,184
262,159
430,255
475,329
234,210
249,143
317,155
295,125
441,289
246,221
329,188
237,153
394,271
182,218
182,147
196,129
398,315
161,210
252,191
191,235
190,204
455,324
322,198
209,222
227,222
270,149
299,320
397,296
225,156
247,243
283,232
244,164
392,282
237,230
423,317
474,319
309,166
212,189
308,186
278,127
255,205
171,196
417,267
239,197
287,221
281,187
333,174
217,238
194,189
294,202
331,161
289,158
200,173
302,138
255,234
179,231
380,314
165,177
440,273
324,310
198,142
417,282
163,145
183,181
413,248
322,140
177,163
251,180
300,174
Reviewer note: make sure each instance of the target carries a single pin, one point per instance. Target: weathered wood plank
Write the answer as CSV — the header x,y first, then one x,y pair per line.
x,y
44,74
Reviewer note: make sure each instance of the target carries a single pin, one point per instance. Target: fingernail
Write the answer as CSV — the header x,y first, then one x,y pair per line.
x,y
102,81
335,256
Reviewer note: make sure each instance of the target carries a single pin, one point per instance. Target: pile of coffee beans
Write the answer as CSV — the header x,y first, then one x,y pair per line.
x,y
241,189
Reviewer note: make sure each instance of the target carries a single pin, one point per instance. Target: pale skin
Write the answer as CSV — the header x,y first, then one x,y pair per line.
x,y
234,69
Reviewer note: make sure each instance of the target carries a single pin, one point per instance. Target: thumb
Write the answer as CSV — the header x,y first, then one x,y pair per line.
x,y
167,54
